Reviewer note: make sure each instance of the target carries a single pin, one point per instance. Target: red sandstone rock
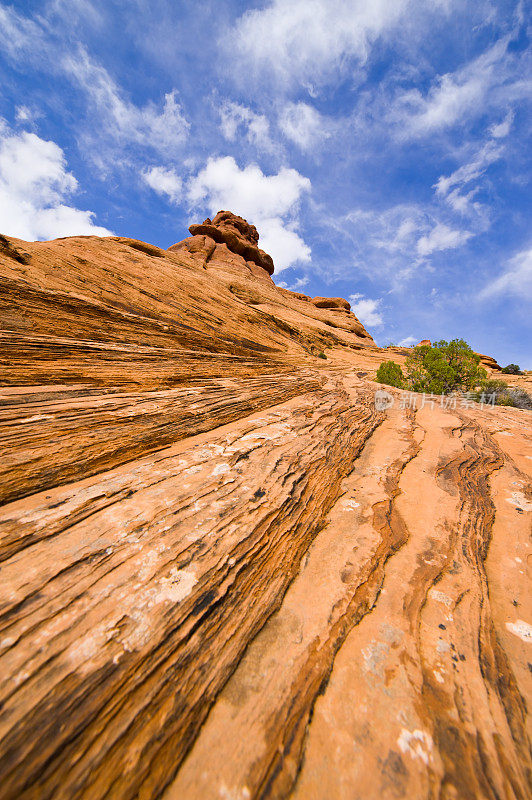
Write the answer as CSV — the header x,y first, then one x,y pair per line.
x,y
336,303
424,342
224,573
488,361
239,236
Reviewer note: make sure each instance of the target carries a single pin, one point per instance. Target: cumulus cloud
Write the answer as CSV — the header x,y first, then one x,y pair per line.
x,y
34,183
367,310
283,243
165,182
516,279
442,237
408,341
311,41
268,201
303,125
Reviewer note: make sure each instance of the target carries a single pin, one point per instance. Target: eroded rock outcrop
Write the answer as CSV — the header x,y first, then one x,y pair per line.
x,y
224,572
238,235
334,303
489,361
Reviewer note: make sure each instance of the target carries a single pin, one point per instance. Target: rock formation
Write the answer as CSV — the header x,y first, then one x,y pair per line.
x,y
488,361
235,233
224,572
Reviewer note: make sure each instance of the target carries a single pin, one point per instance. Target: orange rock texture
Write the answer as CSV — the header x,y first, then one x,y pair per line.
x,y
225,572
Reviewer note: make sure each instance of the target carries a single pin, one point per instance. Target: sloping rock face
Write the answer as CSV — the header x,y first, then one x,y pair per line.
x,y
224,572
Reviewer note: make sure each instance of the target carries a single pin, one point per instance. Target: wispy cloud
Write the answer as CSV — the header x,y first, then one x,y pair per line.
x,y
303,125
455,97
470,171
162,129
515,280
237,119
442,237
311,43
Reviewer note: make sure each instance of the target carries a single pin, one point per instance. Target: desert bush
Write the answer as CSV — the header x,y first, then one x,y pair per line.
x,y
520,398
391,374
512,369
444,367
503,394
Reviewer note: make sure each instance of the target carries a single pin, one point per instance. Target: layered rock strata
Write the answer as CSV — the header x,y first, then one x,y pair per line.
x,y
224,572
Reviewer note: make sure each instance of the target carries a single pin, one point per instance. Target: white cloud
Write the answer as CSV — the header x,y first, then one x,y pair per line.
x,y
164,129
312,41
408,341
502,130
222,184
441,237
73,10
454,96
256,126
517,279
20,35
25,115
489,153
451,187
268,201
303,124
34,182
164,181
281,241
297,285
367,310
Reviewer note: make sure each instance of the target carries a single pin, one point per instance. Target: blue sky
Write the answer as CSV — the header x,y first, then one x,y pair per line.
x,y
380,146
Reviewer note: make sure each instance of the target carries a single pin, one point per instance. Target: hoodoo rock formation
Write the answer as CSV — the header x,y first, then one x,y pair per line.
x,y
235,233
224,572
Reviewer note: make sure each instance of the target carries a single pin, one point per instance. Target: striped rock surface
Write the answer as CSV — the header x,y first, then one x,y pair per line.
x,y
224,572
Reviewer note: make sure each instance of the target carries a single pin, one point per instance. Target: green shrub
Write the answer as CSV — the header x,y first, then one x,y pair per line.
x,y
443,367
504,400
512,369
391,374
322,355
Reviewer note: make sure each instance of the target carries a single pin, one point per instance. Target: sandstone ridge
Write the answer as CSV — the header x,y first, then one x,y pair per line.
x,y
225,573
